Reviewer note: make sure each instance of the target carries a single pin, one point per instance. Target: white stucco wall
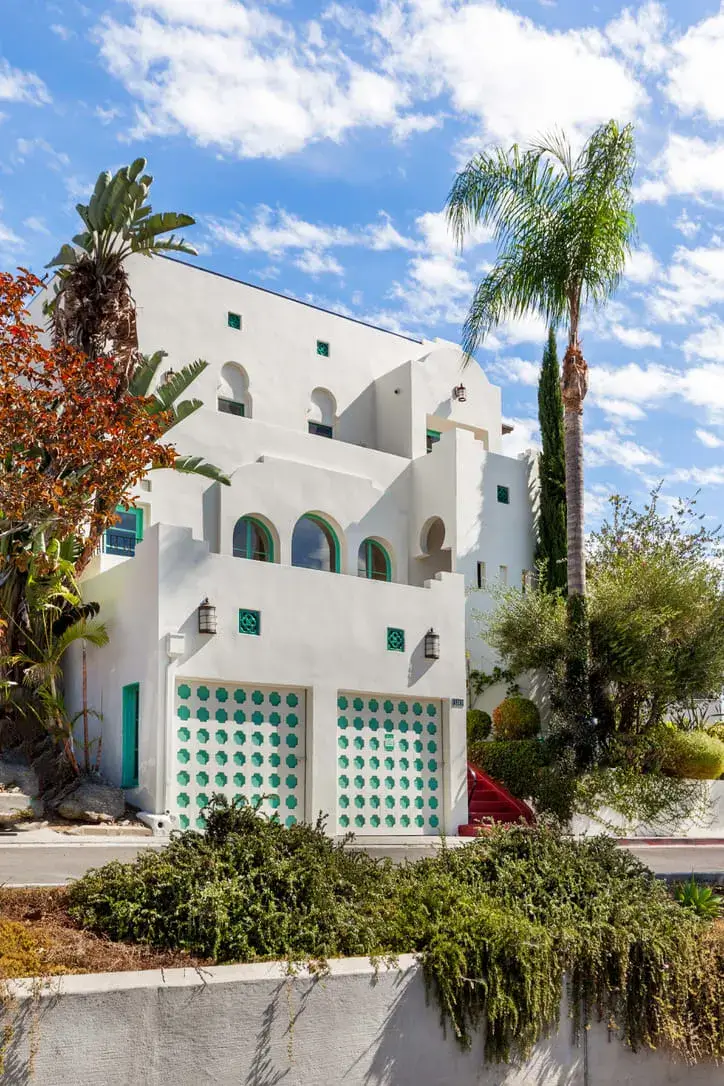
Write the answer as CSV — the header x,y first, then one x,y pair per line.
x,y
253,1024
708,823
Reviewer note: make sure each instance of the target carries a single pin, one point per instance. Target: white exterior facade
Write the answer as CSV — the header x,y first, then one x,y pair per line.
x,y
376,739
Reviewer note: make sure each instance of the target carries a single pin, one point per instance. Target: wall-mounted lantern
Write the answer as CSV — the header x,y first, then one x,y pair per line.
x,y
460,393
432,645
207,617
168,377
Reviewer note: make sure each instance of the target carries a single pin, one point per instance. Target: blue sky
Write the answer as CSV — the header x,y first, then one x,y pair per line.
x,y
315,143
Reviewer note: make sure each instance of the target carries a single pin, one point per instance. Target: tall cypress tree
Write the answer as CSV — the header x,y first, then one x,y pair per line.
x,y
551,547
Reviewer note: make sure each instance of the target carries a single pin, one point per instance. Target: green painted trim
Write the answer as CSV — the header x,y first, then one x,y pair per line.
x,y
336,557
139,519
368,544
264,531
130,717
434,433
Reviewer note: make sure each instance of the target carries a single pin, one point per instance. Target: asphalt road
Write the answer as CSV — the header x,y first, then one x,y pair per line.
x,y
56,864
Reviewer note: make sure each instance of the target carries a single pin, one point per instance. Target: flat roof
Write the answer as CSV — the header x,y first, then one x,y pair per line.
x,y
289,298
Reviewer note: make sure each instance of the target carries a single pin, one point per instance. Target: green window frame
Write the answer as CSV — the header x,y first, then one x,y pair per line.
x,y
230,407
120,541
366,564
245,547
334,539
130,718
433,436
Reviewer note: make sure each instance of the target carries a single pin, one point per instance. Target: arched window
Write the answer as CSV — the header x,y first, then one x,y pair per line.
x,y
233,391
322,412
373,561
252,539
315,544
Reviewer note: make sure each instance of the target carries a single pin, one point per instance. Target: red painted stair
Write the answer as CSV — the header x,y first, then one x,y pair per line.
x,y
489,802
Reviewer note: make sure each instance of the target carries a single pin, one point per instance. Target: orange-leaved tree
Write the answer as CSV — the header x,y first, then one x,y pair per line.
x,y
73,445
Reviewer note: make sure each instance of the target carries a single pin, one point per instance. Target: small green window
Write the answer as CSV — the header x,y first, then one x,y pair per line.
x,y
322,348
234,321
504,495
395,639
230,407
252,539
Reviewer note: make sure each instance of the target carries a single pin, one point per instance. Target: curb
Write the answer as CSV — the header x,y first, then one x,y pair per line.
x,y
690,842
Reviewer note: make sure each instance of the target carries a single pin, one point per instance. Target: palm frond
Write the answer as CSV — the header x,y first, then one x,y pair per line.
x,y
181,411
166,393
145,372
196,465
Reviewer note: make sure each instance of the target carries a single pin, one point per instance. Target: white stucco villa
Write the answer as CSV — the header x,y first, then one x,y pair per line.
x,y
326,670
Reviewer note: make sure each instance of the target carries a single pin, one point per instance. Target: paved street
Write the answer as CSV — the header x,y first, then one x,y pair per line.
x,y
51,864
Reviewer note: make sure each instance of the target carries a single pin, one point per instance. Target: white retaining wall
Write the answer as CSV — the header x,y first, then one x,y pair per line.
x,y
250,1025
710,822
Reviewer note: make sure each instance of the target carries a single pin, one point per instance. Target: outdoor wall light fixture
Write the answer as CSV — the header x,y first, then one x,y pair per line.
x,y
168,376
460,393
432,645
207,617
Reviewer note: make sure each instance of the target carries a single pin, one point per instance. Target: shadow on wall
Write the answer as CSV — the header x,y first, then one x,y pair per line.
x,y
419,664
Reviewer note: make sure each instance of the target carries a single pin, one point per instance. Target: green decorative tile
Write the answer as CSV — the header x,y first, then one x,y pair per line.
x,y
292,720
358,704
275,719
434,821
389,782
221,716
221,780
239,780
274,780
291,802
202,736
202,757
273,801
374,763
222,694
402,708
221,757
431,710
292,740
183,735
183,777
257,697
257,718
404,801
432,747
433,784
184,691
416,708
433,802
240,717
358,723
274,760
359,782
342,703
239,696
432,765
201,823
202,800
256,780
183,755
274,739
344,801
359,820
388,706
343,781
257,738
257,759
359,762
202,714
359,801
374,782
183,712
239,738
221,736
292,700
389,802
342,722
389,821
373,725
202,693
373,705
291,761
275,698
290,821
202,779
404,783
343,761
182,799
344,820
374,801
239,758
184,821
375,820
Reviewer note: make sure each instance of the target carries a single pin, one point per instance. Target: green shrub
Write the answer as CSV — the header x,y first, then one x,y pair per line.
x,y
527,770
516,718
479,725
522,911
694,755
717,730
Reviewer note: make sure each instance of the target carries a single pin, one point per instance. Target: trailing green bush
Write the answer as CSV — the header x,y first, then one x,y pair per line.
x,y
516,718
500,924
693,755
479,725
526,769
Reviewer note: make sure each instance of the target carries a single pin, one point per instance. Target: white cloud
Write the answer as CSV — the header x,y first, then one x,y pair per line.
x,y
708,343
27,147
710,440
516,370
429,43
63,32
105,116
642,266
36,224
687,166
687,226
635,337
528,329
606,447
624,392
315,263
243,78
712,476
17,86
639,35
525,436
693,281
694,75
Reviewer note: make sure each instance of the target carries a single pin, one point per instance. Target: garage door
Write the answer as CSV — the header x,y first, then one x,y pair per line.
x,y
389,757
240,740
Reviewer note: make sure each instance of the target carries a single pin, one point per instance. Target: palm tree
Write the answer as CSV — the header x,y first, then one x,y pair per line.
x,y
564,226
93,309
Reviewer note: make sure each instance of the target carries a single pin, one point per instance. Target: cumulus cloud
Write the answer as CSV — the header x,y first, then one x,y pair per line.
x,y
687,166
706,437
635,337
693,282
247,80
694,74
640,35
606,447
525,436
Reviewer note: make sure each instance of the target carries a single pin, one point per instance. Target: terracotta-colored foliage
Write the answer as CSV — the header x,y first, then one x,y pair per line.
x,y
73,441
